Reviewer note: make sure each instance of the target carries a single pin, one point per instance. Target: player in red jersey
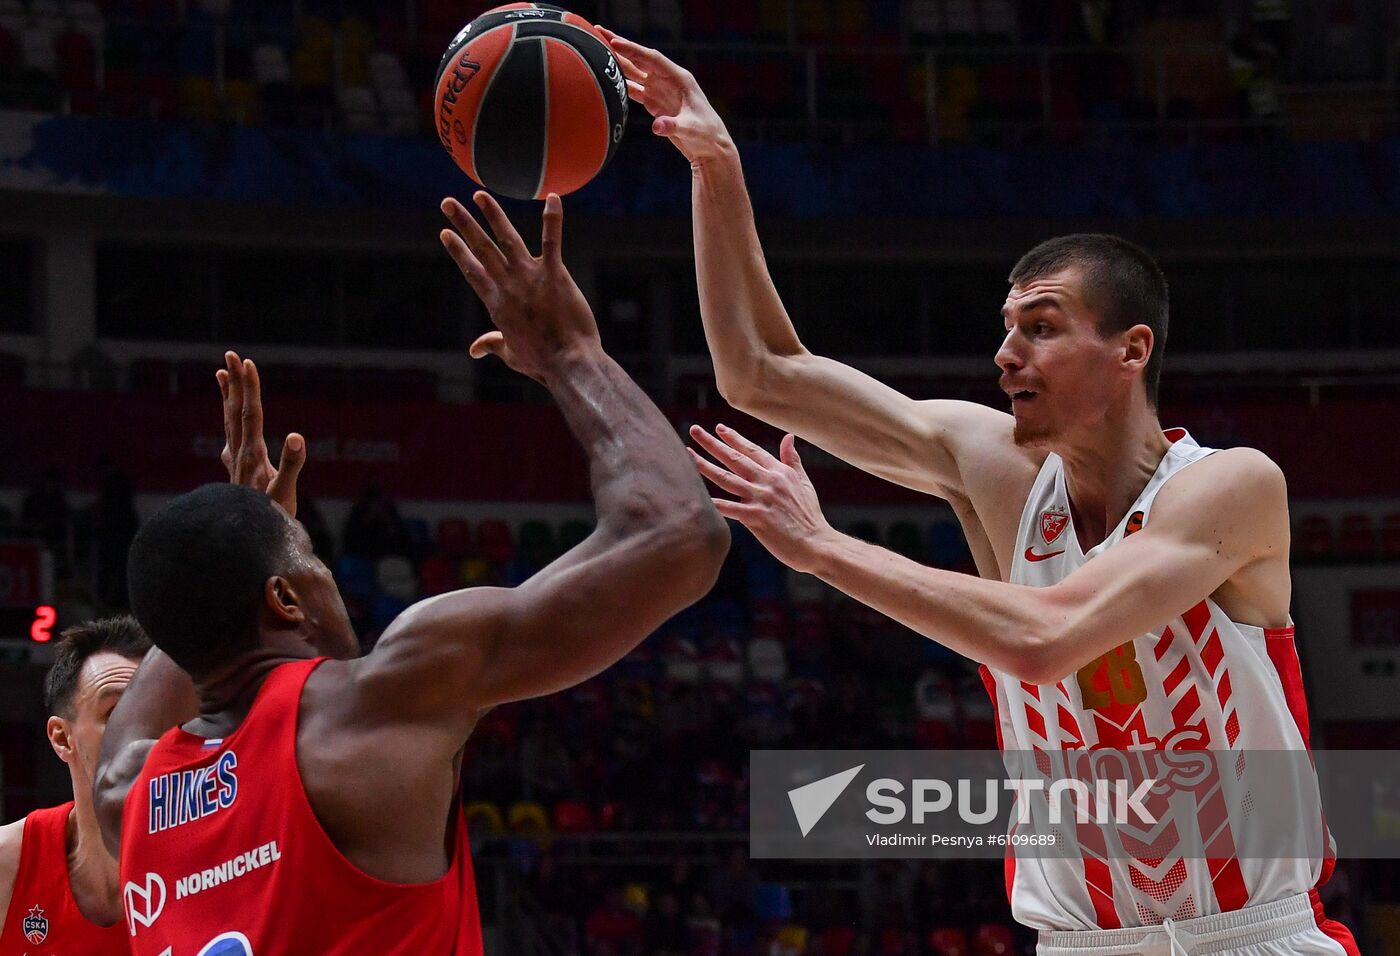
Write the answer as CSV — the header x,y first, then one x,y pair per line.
x,y
1134,589
58,884
312,805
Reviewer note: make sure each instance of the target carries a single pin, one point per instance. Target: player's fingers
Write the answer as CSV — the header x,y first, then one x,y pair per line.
x,y
665,126
643,56
736,510
637,92
474,237
492,343
787,452
507,239
552,233
469,265
629,69
742,465
283,488
233,408
720,478
252,404
745,447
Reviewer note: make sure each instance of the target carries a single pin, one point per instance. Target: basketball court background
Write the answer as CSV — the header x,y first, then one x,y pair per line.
x,y
181,176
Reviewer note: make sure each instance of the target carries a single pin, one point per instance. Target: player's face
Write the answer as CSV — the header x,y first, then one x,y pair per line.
x,y
101,683
1056,368
320,601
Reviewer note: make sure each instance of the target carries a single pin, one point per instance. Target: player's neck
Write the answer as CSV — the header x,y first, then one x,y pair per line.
x,y
1108,463
226,695
92,872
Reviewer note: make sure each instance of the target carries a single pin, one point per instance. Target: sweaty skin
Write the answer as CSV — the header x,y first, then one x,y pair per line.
x,y
1219,528
396,720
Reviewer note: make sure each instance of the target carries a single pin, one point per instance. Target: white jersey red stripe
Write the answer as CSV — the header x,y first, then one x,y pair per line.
x,y
1200,681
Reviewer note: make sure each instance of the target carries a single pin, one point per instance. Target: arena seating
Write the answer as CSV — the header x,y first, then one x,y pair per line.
x,y
367,65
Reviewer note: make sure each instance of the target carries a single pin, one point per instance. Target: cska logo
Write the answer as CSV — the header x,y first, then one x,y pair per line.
x,y
1134,524
1052,525
36,926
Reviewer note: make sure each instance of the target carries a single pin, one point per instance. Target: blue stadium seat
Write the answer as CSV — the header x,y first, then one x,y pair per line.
x,y
386,607
355,575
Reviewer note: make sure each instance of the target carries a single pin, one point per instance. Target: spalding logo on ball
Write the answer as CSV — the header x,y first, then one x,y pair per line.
x,y
530,101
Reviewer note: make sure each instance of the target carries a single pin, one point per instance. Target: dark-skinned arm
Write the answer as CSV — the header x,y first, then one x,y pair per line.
x,y
161,695
657,548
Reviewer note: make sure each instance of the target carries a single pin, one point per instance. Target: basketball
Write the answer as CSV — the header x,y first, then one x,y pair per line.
x,y
530,100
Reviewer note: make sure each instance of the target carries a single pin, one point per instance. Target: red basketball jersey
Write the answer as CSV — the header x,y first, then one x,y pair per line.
x,y
222,855
43,919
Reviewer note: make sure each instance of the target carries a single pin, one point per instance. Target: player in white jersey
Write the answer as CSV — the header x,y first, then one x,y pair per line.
x,y
1133,588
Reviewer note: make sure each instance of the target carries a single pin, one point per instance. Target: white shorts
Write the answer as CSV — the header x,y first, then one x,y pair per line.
x,y
1286,927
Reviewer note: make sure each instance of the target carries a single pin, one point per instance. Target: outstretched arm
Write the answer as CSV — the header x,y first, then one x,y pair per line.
x,y
161,695
761,366
657,548
1222,517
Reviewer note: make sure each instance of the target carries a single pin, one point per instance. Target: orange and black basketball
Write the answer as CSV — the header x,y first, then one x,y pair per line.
x,y
530,100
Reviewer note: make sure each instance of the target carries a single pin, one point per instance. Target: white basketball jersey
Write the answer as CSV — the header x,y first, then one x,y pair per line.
x,y
1200,681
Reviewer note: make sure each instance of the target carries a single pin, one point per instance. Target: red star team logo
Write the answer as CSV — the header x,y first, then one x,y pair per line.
x,y
1052,525
1134,524
36,926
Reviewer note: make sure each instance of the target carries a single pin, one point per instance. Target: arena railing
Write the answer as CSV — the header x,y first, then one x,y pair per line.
x,y
935,104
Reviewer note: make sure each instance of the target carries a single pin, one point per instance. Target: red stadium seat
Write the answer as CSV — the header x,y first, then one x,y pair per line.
x,y
439,575
1390,537
610,815
891,942
1356,538
993,939
948,941
494,540
9,51
1312,538
571,816
838,941
454,539
77,62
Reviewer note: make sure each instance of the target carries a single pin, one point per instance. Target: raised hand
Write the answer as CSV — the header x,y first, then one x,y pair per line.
x,y
671,94
538,309
245,451
777,501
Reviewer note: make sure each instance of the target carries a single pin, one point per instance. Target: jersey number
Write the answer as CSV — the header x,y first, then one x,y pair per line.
x,y
1114,678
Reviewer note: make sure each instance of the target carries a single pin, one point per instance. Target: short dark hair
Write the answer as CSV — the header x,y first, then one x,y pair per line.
x,y
1121,280
120,635
197,570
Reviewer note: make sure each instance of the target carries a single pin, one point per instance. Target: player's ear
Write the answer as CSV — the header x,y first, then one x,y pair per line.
x,y
282,602
1137,348
60,734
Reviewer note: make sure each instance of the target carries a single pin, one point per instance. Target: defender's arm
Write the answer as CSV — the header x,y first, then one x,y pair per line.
x,y
160,696
657,548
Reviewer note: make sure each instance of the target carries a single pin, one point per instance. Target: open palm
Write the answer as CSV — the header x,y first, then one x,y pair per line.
x,y
670,93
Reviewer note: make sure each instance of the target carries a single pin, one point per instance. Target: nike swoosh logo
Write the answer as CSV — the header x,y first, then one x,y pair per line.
x,y
1032,556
